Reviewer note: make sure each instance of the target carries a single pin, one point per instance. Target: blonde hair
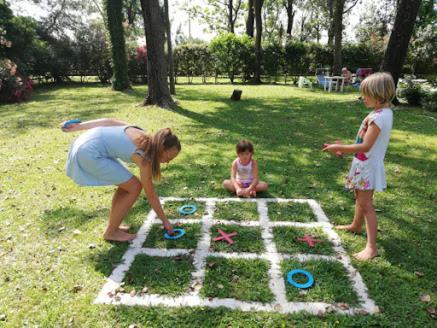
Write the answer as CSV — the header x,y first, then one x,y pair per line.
x,y
379,86
155,145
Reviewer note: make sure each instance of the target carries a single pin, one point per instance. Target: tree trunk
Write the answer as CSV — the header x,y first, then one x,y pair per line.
x,y
400,37
154,24
338,32
169,49
230,14
290,17
331,23
258,21
250,19
120,78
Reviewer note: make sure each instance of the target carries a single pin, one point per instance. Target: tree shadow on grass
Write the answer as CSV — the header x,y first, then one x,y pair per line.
x,y
68,217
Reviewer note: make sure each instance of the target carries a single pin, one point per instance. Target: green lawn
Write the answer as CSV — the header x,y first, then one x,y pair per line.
x,y
53,261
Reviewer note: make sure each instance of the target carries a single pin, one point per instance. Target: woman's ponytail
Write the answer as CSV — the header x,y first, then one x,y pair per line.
x,y
161,141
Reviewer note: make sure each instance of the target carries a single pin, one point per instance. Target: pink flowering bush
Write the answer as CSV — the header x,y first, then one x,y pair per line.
x,y
14,87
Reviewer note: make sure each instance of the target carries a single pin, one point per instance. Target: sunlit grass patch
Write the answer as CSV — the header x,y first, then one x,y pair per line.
x,y
331,284
155,238
248,239
286,241
161,275
237,211
299,212
245,280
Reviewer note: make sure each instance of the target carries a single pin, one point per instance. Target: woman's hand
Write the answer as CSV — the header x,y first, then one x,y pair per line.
x,y
168,226
70,127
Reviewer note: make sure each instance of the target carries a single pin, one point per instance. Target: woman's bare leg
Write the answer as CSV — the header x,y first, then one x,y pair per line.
x,y
122,201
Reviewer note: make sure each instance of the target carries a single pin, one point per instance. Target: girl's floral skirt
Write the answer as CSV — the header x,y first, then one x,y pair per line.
x,y
365,175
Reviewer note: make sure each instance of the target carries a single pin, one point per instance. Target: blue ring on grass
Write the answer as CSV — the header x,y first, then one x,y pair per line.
x,y
183,211
291,281
178,235
66,124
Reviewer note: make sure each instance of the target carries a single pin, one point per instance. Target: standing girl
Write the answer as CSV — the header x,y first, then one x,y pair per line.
x,y
367,172
93,161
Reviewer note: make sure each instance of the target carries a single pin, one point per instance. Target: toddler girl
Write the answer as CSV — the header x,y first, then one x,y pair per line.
x,y
244,173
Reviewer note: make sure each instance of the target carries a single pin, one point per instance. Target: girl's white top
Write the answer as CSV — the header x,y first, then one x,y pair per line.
x,y
244,172
367,170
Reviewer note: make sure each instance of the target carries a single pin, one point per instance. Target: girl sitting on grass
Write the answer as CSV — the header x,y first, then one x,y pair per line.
x,y
244,173
93,161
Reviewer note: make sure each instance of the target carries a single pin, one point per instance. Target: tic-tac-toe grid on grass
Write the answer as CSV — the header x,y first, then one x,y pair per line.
x,y
278,296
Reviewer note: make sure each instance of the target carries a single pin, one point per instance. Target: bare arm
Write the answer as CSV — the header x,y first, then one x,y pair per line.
x,y
152,197
92,124
368,142
255,175
234,175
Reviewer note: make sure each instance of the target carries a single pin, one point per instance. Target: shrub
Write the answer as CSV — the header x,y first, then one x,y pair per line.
x,y
273,58
429,100
413,94
232,53
14,87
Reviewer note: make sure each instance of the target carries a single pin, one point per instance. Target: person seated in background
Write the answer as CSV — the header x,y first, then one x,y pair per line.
x,y
347,75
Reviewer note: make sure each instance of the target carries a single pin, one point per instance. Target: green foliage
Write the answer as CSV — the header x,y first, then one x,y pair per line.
x,y
232,53
273,59
92,52
429,101
296,59
193,59
319,56
120,78
361,55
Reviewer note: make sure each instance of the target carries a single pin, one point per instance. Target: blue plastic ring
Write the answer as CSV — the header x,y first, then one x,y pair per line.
x,y
178,235
291,281
183,211
74,121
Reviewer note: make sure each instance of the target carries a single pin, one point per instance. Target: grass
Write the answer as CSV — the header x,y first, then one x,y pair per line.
x,y
155,238
161,275
237,211
42,259
248,239
245,280
286,241
291,212
172,210
331,283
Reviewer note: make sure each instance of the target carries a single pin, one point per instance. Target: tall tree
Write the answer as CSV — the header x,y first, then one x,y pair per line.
x,y
169,49
258,22
338,35
120,78
339,11
220,16
397,47
154,25
250,18
288,4
271,19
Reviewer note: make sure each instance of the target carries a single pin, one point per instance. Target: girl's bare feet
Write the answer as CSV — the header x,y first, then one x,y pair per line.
x,y
366,254
349,228
119,235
